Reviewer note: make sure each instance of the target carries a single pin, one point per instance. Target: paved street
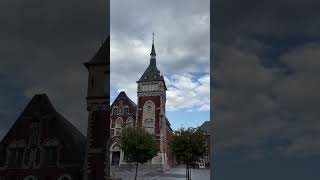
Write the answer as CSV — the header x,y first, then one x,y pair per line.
x,y
177,173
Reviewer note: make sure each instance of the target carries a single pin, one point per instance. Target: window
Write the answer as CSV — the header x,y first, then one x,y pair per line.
x,y
65,177
50,152
130,122
126,110
15,157
120,111
149,116
149,125
50,155
118,127
115,110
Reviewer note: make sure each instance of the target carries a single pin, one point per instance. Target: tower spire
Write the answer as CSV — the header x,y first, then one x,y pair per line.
x,y
153,51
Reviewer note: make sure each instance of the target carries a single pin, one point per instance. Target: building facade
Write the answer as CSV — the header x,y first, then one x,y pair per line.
x,y
43,145
149,113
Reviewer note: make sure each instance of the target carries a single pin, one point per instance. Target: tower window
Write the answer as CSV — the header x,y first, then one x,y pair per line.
x,y
149,125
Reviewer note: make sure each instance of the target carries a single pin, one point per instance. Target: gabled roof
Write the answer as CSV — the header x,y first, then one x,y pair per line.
x,y
151,73
41,110
206,127
127,101
102,57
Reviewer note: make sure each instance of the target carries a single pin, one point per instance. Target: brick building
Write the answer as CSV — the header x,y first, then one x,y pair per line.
x,y
43,145
149,113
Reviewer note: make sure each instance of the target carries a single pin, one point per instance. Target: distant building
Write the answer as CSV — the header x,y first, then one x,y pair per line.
x,y
205,127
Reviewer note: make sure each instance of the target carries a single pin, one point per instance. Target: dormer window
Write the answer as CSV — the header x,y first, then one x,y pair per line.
x,y
154,77
146,77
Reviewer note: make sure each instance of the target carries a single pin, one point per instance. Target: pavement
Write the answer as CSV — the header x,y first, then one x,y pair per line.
x,y
174,173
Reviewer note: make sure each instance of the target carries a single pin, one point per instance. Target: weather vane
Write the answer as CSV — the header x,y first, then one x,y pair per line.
x,y
153,37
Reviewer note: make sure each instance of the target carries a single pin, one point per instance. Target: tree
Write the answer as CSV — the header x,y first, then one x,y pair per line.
x,y
188,145
138,146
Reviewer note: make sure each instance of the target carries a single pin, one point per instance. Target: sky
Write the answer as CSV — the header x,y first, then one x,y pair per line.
x,y
266,89
43,47
182,43
264,71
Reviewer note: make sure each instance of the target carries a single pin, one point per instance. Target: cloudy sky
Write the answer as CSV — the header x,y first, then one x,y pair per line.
x,y
266,89
182,42
42,48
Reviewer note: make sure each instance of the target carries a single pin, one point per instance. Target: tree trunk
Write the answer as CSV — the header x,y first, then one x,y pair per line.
x,y
135,178
187,172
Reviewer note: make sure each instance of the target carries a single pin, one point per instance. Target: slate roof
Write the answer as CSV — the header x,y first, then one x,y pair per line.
x,y
206,127
127,101
152,73
102,56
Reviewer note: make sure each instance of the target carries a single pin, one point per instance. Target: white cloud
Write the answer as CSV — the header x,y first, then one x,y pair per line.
x,y
182,45
187,93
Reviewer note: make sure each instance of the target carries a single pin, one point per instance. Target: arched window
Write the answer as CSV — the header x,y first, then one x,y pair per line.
x,y
115,110
65,177
120,111
130,122
16,151
118,127
149,116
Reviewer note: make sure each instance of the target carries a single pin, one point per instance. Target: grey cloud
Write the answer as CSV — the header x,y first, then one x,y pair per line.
x,y
44,44
255,104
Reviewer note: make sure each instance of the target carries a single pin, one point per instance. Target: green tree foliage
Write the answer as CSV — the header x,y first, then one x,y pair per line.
x,y
138,146
188,146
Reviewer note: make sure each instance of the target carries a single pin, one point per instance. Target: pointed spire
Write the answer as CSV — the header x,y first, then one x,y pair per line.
x,y
153,51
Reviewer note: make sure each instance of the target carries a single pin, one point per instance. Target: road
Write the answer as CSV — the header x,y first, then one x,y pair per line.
x,y
176,173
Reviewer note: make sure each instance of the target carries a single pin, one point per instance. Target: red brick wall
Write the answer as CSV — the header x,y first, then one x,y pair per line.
x,y
169,149
100,133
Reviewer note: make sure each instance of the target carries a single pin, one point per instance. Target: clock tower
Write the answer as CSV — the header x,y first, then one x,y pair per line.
x,y
151,98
